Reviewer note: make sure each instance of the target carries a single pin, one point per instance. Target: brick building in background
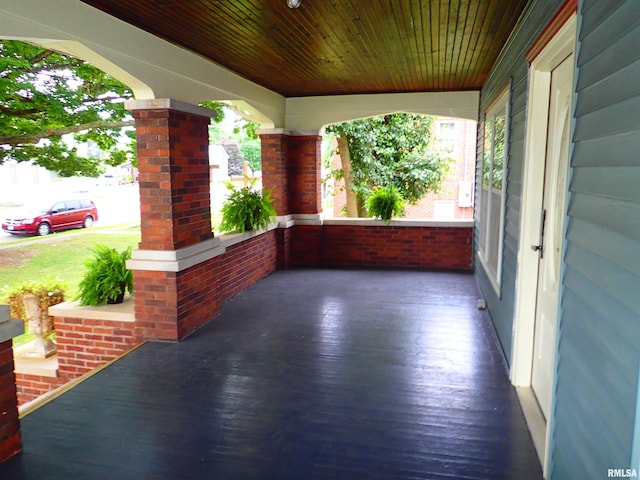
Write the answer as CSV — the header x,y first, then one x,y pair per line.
x,y
454,136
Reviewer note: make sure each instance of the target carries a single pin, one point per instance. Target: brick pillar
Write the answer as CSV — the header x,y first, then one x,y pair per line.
x,y
274,170
304,174
173,175
305,198
274,178
175,211
10,440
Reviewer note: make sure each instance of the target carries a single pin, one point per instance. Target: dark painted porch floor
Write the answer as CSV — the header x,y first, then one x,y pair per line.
x,y
310,374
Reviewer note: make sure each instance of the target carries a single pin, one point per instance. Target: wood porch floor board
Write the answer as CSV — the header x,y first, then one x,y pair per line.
x,y
310,374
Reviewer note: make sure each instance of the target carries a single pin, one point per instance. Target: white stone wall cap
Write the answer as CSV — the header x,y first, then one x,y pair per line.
x,y
44,367
5,316
304,133
168,103
184,258
176,255
285,221
229,239
120,312
11,329
270,131
400,222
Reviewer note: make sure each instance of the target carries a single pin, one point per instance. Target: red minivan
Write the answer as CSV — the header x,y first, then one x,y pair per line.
x,y
59,216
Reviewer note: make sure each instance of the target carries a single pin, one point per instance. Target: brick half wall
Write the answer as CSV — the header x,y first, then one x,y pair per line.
x,y
31,387
370,245
245,263
86,344
170,305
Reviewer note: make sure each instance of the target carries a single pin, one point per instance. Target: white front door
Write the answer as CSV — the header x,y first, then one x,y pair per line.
x,y
552,232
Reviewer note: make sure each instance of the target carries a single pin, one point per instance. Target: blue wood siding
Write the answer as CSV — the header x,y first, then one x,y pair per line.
x,y
598,350
510,69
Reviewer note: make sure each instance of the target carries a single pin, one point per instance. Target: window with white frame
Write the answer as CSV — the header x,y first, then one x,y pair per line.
x,y
446,136
492,189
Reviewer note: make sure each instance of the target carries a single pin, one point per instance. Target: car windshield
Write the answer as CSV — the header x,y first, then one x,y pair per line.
x,y
36,208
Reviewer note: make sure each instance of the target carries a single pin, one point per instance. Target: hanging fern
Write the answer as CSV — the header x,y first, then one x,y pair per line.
x,y
385,203
246,209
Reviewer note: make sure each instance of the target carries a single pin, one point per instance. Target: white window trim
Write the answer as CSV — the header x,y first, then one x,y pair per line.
x,y
500,104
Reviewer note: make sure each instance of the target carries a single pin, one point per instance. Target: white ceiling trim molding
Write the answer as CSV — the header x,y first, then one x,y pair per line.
x,y
314,113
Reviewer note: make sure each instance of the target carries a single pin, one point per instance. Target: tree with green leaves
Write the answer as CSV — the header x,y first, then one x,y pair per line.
x,y
394,150
243,134
44,95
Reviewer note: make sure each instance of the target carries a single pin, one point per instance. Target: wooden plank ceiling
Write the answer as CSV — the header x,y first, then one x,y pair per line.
x,y
333,47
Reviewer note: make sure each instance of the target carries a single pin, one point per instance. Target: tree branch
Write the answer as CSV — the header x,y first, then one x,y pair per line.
x,y
14,140
52,68
106,99
18,113
41,56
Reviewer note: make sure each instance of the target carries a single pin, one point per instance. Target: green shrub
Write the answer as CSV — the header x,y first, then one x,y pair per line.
x,y
107,277
246,209
385,203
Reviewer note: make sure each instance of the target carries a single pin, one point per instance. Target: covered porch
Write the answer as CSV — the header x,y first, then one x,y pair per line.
x,y
310,374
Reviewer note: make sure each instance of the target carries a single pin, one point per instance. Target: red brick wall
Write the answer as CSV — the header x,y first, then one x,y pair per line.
x,y
245,263
10,440
382,246
156,304
283,248
274,170
173,166
198,296
171,305
31,387
84,344
304,174
305,246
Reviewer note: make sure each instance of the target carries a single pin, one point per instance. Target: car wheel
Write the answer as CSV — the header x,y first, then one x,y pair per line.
x,y
44,229
88,222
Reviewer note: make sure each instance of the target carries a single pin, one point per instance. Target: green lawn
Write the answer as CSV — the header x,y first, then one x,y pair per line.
x,y
58,257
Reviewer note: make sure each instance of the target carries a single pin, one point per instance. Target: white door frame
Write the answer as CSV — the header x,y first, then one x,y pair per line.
x,y
558,48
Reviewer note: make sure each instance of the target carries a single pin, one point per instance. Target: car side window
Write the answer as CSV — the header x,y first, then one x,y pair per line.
x,y
72,204
58,207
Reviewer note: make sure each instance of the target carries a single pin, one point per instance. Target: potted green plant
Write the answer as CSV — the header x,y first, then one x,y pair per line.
x,y
385,203
107,277
246,209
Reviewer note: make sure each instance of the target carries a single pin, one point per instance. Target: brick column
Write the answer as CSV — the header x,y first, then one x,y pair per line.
x,y
274,178
10,439
274,170
291,168
173,175
304,174
175,211
305,198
